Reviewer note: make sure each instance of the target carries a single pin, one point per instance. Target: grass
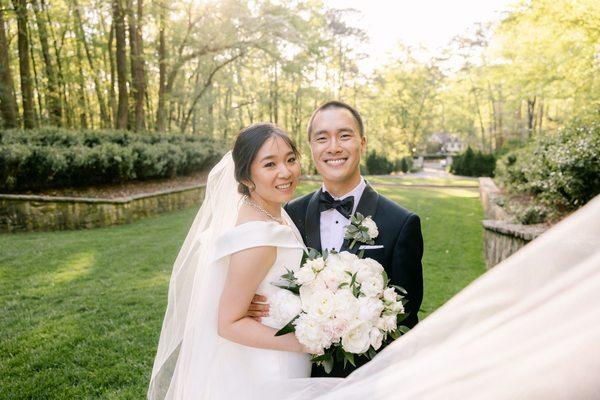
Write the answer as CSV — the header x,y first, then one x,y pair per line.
x,y
410,180
80,311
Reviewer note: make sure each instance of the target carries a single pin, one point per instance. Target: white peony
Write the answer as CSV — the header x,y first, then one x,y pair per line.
x,y
387,323
320,304
376,338
396,307
373,286
304,275
333,278
316,265
346,306
389,295
284,306
369,309
366,269
371,226
357,338
308,290
310,333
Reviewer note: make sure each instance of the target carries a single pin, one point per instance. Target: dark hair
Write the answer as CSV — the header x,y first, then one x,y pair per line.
x,y
248,143
338,104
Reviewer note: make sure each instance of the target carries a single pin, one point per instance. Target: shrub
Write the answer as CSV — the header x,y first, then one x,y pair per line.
x,y
378,164
404,164
54,157
561,171
472,163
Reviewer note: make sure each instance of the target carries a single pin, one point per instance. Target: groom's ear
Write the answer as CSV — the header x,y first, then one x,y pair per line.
x,y
363,145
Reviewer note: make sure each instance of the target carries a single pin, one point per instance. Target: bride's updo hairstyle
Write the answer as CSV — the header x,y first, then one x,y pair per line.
x,y
246,147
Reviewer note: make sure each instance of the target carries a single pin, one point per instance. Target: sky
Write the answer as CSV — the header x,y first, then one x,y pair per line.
x,y
428,23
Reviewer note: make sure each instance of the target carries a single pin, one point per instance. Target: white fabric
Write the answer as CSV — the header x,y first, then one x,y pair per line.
x,y
193,361
527,329
333,224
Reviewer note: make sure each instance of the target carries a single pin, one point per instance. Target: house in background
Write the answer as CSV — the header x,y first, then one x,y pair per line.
x,y
443,143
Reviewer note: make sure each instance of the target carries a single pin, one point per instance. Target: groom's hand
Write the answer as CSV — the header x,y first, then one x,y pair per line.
x,y
258,308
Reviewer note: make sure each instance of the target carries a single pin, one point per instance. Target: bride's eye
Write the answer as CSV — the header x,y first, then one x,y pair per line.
x,y
292,160
269,164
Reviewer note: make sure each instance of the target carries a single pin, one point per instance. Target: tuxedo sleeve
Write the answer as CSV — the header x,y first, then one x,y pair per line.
x,y
407,269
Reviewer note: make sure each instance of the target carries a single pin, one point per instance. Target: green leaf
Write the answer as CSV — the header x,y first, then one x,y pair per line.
x,y
372,353
400,289
395,334
293,288
403,329
328,365
288,328
350,358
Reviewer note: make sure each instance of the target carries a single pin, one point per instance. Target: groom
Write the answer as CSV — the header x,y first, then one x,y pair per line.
x,y
337,142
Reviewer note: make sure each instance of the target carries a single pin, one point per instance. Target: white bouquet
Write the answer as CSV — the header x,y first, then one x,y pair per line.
x,y
345,307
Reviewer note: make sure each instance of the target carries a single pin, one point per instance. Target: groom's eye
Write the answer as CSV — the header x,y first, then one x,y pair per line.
x,y
292,160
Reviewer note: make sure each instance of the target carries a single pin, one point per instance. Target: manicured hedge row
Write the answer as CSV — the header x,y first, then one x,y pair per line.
x,y
378,164
561,171
53,158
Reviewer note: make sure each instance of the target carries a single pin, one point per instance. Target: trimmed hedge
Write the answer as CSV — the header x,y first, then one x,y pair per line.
x,y
472,163
561,171
54,157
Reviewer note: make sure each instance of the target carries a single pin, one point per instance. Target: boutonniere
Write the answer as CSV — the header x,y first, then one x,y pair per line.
x,y
361,229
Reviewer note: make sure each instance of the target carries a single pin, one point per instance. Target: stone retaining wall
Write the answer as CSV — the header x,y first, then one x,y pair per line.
x,y
502,237
46,213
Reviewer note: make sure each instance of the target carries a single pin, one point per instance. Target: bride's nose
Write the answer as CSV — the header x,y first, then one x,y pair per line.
x,y
284,172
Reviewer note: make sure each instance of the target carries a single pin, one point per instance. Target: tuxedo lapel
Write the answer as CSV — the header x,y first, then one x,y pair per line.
x,y
367,206
312,222
368,202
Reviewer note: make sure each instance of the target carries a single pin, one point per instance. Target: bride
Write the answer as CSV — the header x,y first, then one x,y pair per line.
x,y
240,243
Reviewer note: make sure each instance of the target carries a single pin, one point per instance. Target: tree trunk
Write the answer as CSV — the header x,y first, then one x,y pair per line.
x,y
530,116
104,117
113,74
138,89
83,107
8,100
52,95
62,84
122,107
36,85
24,68
161,114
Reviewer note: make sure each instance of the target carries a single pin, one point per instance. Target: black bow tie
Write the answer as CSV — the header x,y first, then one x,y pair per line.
x,y
344,206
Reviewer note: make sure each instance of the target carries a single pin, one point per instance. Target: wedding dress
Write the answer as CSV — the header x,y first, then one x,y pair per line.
x,y
193,362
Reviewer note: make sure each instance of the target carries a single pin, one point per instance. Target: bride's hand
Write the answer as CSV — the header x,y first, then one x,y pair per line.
x,y
258,308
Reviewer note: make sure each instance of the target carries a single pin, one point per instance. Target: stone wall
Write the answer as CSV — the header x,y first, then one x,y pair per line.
x,y
46,213
502,237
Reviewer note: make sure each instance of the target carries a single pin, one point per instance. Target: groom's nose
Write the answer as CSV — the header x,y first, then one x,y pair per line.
x,y
334,145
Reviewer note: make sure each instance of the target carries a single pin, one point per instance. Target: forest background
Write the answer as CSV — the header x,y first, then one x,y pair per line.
x,y
208,68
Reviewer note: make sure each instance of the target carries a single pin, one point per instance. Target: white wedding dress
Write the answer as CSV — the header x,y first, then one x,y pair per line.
x,y
193,362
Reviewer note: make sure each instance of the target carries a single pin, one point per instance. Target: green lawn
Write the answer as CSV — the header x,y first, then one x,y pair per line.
x,y
411,180
80,311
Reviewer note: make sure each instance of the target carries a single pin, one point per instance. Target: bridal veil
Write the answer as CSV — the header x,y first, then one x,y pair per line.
x,y
194,291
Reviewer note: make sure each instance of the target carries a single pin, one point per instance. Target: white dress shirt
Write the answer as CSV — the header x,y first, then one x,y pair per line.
x,y
333,224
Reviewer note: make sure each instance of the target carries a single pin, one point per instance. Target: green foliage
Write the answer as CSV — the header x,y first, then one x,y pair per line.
x,y
472,163
404,164
378,164
52,157
561,171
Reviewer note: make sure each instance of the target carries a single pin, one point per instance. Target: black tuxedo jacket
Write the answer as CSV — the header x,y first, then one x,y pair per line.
x,y
400,235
